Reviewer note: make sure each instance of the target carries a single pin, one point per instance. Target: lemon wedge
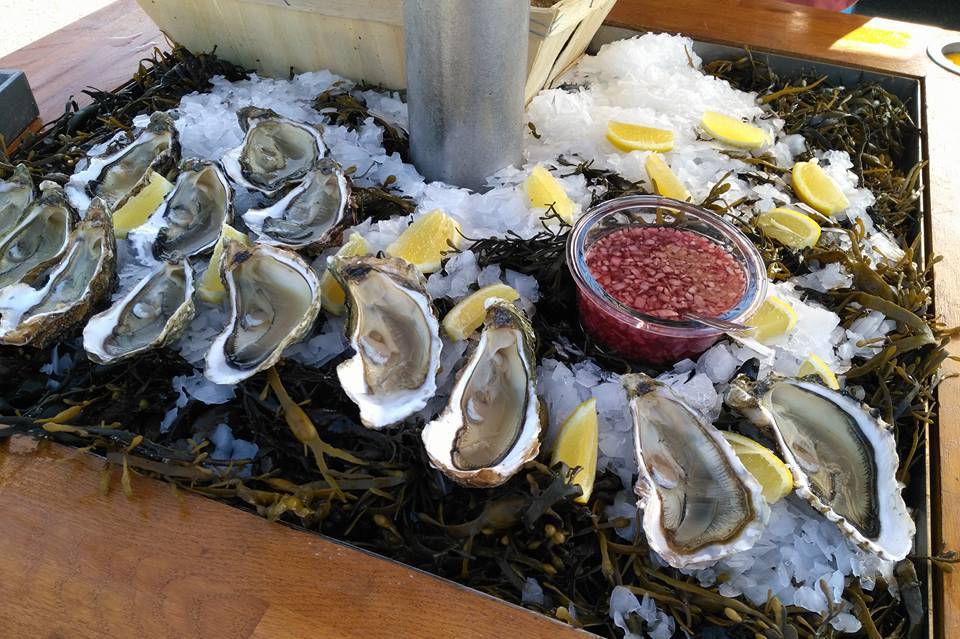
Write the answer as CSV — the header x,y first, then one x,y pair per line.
x,y
818,189
733,131
332,297
814,365
770,472
424,242
953,57
139,207
665,181
774,318
577,446
635,137
467,316
545,191
211,288
790,228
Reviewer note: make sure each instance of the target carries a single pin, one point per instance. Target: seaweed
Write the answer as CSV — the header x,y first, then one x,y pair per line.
x,y
318,467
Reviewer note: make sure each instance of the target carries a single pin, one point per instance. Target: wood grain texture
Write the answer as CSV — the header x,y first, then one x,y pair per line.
x,y
101,50
61,553
78,564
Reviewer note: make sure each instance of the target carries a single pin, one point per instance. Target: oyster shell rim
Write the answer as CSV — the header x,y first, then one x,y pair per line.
x,y
743,396
649,497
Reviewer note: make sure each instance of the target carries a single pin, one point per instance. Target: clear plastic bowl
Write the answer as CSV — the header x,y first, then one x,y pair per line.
x,y
638,336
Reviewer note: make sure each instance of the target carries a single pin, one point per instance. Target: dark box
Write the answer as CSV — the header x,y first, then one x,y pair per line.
x,y
17,106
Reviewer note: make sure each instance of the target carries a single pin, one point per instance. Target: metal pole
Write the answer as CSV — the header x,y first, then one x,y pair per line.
x,y
466,70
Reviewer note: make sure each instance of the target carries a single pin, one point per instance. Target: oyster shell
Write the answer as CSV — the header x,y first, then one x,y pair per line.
x,y
274,299
16,195
394,330
491,425
191,217
842,456
275,152
40,239
82,279
116,173
699,502
153,314
309,215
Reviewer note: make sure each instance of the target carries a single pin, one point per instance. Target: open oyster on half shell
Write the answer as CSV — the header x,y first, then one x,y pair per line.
x,y
114,174
491,425
40,239
392,326
191,217
151,315
309,215
274,299
842,456
700,504
16,195
275,152
82,278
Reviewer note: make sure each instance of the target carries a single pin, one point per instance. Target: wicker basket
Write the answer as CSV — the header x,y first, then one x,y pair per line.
x,y
359,39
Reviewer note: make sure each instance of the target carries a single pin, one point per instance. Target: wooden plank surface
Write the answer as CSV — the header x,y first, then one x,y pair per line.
x,y
78,564
101,50
43,562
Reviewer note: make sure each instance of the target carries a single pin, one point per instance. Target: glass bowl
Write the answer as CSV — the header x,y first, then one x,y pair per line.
x,y
639,336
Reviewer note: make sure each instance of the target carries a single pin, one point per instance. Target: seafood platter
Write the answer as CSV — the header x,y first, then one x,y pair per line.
x,y
670,377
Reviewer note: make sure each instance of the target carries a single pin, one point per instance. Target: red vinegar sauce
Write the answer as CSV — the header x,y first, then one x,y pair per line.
x,y
665,272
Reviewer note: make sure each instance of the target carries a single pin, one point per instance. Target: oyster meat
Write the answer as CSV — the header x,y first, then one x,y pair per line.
x,y
81,280
153,314
699,502
491,425
309,215
274,300
16,195
275,152
191,217
394,330
40,239
842,456
117,172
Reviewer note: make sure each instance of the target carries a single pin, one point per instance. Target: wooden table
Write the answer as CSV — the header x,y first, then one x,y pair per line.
x,y
106,568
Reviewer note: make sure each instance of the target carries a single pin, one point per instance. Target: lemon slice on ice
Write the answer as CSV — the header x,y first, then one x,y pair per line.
x,y
790,228
467,316
665,181
774,318
577,446
635,137
733,131
424,242
818,189
814,365
770,472
211,288
545,191
138,207
332,296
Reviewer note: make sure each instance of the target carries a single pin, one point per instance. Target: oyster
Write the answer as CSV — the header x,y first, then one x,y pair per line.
x,y
40,239
191,217
153,314
394,330
82,279
275,151
274,299
491,425
16,195
842,456
699,502
116,173
309,215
